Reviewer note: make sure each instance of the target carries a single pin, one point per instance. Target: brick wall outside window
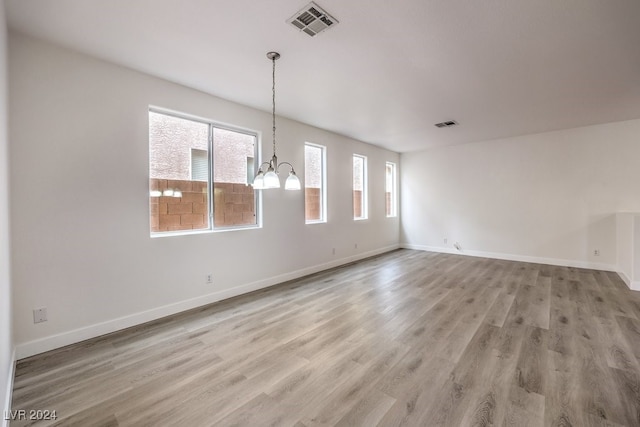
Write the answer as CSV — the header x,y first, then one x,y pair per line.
x,y
234,205
357,204
312,204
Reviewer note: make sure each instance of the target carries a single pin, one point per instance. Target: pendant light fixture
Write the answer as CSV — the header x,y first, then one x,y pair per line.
x,y
268,178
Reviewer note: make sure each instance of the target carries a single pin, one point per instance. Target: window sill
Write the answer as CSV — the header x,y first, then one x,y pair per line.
x,y
204,231
315,222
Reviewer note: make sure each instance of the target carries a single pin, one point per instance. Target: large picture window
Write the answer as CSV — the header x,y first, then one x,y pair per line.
x,y
314,183
359,187
199,175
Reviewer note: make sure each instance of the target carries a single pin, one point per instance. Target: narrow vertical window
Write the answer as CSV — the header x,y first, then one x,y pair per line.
x,y
359,187
199,165
391,199
199,175
314,183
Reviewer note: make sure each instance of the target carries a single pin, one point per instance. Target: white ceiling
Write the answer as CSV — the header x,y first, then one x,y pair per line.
x,y
388,71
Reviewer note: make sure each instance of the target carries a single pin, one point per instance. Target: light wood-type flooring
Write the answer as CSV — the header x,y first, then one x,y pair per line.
x,y
407,338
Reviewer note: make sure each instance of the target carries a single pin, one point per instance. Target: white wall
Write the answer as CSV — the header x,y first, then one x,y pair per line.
x,y
79,200
549,197
6,341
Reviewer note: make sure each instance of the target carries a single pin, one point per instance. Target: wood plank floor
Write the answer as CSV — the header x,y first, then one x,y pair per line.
x,y
407,338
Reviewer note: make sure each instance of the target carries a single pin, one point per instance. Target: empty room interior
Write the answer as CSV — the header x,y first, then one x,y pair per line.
x,y
361,213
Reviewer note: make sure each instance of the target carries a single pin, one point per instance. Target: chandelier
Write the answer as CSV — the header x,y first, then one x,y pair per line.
x,y
268,178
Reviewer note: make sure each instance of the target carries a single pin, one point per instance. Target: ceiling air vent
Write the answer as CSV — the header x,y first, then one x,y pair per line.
x,y
312,19
446,124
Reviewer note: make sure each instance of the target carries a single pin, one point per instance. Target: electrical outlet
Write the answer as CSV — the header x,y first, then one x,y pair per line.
x,y
445,240
209,279
333,251
355,246
596,252
39,315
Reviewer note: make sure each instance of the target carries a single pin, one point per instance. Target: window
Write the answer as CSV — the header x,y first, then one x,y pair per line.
x,y
315,206
359,187
391,201
199,165
187,159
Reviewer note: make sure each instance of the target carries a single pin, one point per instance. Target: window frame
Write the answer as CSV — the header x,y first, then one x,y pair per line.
x,y
394,190
212,124
256,193
365,187
323,179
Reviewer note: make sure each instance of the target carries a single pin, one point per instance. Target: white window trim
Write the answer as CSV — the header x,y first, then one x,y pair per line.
x,y
365,187
394,193
323,205
258,196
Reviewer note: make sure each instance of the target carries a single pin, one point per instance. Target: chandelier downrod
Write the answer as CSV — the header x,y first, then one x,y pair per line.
x,y
273,56
269,177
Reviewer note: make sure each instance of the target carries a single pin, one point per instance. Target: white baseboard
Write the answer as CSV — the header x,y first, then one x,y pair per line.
x,y
633,285
625,278
41,345
7,403
511,257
